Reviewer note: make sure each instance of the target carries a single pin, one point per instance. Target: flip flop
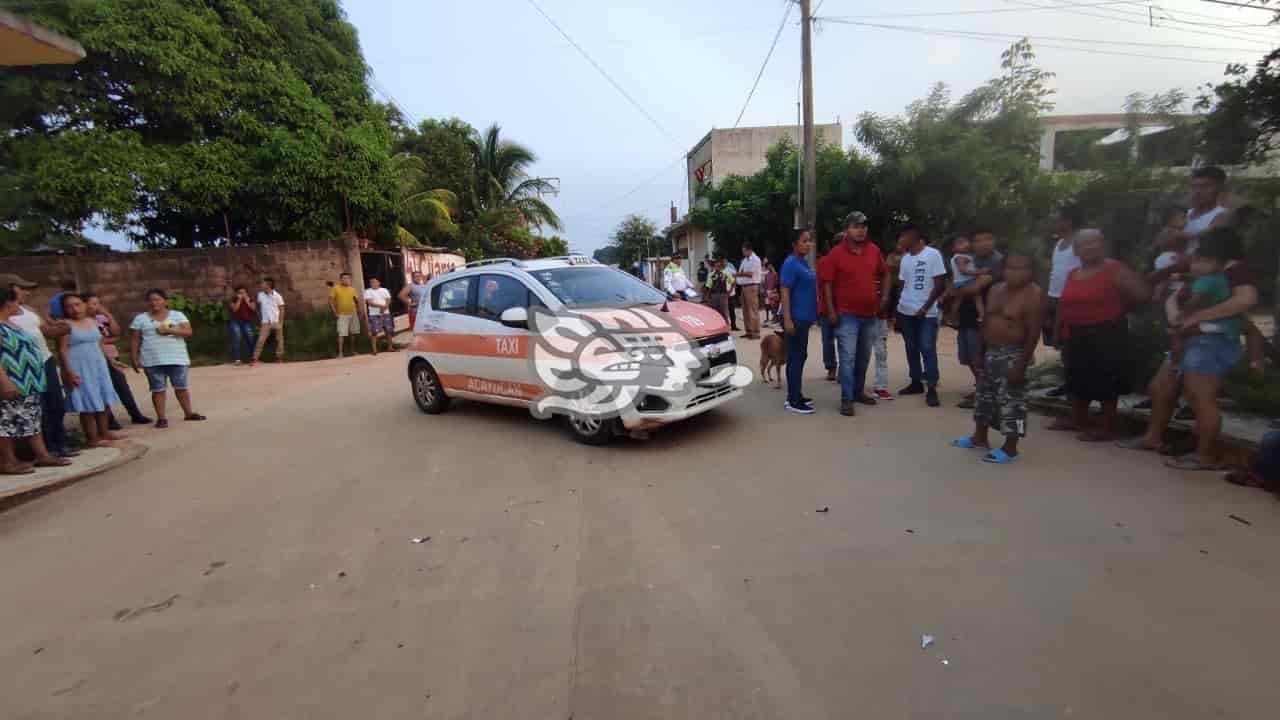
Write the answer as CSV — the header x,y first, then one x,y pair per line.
x,y
999,457
967,443
19,470
195,416
53,462
1192,462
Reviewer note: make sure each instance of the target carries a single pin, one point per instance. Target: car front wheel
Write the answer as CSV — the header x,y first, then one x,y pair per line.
x,y
427,391
591,429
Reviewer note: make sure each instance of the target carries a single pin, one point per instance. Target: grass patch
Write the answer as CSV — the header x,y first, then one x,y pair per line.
x,y
313,337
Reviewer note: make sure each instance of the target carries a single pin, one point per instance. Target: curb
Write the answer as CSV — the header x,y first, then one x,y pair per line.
x,y
129,451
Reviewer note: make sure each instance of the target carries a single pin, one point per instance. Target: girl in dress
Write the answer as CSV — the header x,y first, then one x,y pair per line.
x,y
90,392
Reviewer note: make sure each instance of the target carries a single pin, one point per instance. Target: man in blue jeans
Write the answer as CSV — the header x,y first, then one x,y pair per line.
x,y
829,360
799,311
923,274
855,287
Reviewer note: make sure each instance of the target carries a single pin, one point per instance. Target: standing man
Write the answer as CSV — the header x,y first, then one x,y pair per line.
x,y
748,281
377,300
52,400
243,313
674,282
923,274
342,301
703,273
1206,209
969,334
1062,261
271,315
856,287
414,296
733,294
718,288
825,312
1010,335
799,310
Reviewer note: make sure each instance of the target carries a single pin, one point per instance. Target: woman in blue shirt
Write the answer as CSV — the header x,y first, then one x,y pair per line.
x,y
799,312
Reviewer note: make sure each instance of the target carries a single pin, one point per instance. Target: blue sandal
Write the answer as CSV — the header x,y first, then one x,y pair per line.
x,y
967,443
999,457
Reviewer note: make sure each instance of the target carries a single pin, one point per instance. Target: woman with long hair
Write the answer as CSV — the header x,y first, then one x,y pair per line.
x,y
90,392
159,345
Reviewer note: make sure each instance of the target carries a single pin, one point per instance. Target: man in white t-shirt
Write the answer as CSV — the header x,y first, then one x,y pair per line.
x,y
1063,260
748,282
271,315
1206,190
381,323
923,274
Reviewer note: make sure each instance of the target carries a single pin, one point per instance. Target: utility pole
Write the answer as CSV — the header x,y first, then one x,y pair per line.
x,y
810,150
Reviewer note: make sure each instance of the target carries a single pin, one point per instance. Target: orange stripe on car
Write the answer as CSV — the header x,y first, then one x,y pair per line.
x,y
487,386
496,346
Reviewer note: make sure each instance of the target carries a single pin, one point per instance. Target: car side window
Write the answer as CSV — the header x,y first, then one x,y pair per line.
x,y
452,296
497,293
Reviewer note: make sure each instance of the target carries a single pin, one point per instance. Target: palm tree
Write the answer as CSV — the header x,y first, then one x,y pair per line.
x,y
430,209
501,186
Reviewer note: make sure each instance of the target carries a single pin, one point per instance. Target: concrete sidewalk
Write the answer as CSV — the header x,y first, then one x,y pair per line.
x,y
88,463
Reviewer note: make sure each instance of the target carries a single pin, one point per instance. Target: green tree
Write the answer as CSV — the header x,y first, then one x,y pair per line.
x,y
950,166
635,237
428,210
188,117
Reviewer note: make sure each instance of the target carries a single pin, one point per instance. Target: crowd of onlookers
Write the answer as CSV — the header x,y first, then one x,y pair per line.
x,y
1199,286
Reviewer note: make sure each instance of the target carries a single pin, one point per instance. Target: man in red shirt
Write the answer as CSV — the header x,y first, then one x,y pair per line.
x,y
855,289
828,329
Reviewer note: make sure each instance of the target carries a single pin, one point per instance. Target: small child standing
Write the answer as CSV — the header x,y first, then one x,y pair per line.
x,y
963,274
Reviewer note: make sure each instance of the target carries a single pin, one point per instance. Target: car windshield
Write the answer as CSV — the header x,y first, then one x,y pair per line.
x,y
597,286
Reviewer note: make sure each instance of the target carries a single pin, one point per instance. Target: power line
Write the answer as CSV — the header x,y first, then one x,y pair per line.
x,y
781,26
605,74
985,11
643,184
966,35
1144,22
1051,38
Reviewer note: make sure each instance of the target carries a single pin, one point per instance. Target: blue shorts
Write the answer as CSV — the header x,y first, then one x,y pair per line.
x,y
1211,354
383,323
968,345
176,375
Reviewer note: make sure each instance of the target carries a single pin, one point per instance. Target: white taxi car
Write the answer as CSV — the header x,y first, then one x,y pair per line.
x,y
473,341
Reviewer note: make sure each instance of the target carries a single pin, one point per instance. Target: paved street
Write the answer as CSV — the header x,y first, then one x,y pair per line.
x,y
260,566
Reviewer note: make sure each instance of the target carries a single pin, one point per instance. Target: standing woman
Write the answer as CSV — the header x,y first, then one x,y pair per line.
x,y
1092,322
84,366
772,295
799,312
159,344
110,330
22,380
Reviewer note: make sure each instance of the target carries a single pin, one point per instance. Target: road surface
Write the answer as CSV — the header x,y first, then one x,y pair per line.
x,y
260,566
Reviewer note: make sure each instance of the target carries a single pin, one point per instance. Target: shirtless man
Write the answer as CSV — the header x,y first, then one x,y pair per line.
x,y
1010,335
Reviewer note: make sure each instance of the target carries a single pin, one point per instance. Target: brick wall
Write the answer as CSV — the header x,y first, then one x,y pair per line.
x,y
300,270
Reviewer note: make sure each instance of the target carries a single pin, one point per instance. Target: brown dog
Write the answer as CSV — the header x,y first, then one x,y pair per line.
x,y
773,357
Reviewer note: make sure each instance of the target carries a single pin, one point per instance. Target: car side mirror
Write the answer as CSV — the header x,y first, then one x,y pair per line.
x,y
515,317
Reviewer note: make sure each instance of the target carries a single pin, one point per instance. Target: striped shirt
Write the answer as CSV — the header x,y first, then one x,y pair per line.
x,y
21,359
160,349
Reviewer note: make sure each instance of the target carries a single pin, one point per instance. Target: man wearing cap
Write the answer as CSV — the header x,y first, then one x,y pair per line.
x,y
855,288
52,401
748,282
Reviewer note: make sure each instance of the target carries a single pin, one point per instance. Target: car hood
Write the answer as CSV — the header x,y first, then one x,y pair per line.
x,y
695,320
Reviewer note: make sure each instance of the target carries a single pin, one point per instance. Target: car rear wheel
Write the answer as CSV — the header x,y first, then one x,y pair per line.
x,y
591,429
427,391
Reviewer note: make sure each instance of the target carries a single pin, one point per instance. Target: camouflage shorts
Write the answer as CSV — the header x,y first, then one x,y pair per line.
x,y
998,404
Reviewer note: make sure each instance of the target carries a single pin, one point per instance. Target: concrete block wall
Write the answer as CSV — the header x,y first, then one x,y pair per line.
x,y
121,279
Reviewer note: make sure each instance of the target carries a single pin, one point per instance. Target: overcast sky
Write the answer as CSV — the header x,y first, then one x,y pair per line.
x,y
690,65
